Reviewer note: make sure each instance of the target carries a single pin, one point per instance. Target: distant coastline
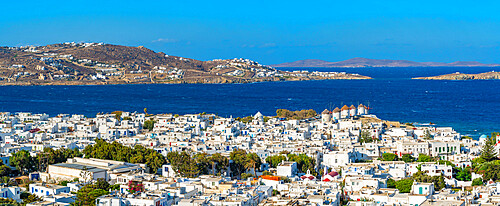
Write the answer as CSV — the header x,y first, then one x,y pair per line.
x,y
91,83
365,62
102,64
462,76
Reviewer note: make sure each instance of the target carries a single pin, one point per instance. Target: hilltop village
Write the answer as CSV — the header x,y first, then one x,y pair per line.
x,y
346,156
73,63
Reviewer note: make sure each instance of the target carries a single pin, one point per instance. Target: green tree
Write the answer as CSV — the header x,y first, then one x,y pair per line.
x,y
490,171
238,156
58,156
253,162
245,176
437,180
192,165
87,195
101,184
32,198
407,158
465,137
114,187
219,161
191,169
24,162
118,115
116,151
246,119
63,183
404,185
365,136
204,162
154,160
389,157
477,163
183,163
464,174
477,182
302,114
304,163
149,124
6,180
177,159
424,158
488,152
8,202
275,160
5,170
391,183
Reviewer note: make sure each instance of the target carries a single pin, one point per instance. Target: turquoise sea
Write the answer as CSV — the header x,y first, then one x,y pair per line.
x,y
471,107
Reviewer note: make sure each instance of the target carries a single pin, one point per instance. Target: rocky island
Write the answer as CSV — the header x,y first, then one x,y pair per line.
x,y
99,63
462,76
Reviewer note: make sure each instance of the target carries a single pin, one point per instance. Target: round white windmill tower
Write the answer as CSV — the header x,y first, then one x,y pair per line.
x,y
326,116
352,111
361,109
344,112
336,114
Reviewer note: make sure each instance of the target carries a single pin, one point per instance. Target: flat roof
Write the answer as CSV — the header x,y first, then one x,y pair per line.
x,y
80,167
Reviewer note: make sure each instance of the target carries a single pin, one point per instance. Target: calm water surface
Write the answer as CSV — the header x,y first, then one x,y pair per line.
x,y
471,107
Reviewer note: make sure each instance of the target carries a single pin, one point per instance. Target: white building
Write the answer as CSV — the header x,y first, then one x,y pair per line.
x,y
287,169
43,190
11,192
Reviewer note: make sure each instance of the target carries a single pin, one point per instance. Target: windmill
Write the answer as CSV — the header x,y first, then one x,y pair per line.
x,y
330,106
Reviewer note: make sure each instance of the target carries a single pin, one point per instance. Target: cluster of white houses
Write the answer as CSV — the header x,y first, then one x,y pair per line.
x,y
347,169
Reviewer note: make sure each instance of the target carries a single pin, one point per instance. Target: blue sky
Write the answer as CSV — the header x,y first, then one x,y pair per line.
x,y
267,31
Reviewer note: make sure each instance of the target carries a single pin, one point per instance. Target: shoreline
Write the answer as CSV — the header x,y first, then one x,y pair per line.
x,y
176,83
492,75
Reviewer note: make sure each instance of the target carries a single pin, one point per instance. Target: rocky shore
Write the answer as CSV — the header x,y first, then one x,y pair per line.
x,y
462,76
220,80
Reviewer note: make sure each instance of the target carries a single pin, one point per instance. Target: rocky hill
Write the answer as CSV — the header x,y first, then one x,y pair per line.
x,y
461,76
98,63
364,62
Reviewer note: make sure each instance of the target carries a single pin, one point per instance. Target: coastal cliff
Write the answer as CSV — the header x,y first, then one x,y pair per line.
x,y
462,76
99,64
